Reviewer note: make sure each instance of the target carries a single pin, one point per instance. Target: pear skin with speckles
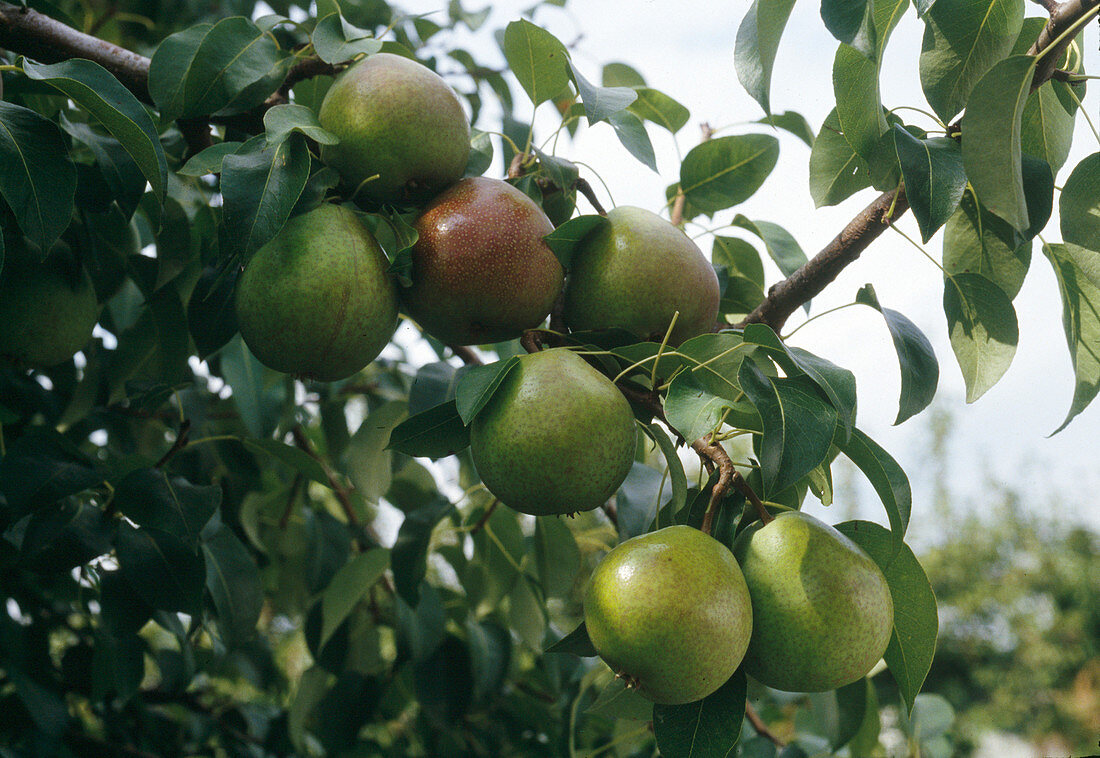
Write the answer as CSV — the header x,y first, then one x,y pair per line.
x,y
634,273
481,272
557,436
669,612
403,133
822,611
317,301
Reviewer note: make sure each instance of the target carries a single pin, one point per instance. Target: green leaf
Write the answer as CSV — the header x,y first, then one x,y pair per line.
x,y
756,46
690,409
705,728
639,499
739,257
349,586
798,425
227,67
209,161
336,40
916,623
63,535
233,581
260,185
617,74
1038,194
920,371
490,647
856,705
294,458
538,60
40,467
97,91
434,433
963,39
257,393
934,178
576,643
564,240
557,556
151,498
781,246
1079,204
844,18
1078,272
632,134
563,173
212,310
367,461
281,121
161,568
983,329
476,387
858,102
975,241
792,122
37,177
1046,127
410,552
601,102
658,108
722,172
120,173
617,700
677,476
836,170
888,480
991,138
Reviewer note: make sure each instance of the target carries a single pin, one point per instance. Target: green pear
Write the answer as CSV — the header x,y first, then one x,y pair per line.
x,y
317,301
556,437
634,273
397,119
670,613
48,307
822,611
481,272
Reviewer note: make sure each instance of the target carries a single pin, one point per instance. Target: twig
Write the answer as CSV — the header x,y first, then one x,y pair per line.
x,y
481,522
531,340
343,494
180,443
760,727
746,490
705,446
468,356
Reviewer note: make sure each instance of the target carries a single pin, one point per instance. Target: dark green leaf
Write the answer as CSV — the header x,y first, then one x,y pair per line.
x,y
557,556
258,393
793,122
983,329
1079,205
781,246
97,91
349,586
409,557
658,108
434,433
963,39
118,665
37,177
913,643
756,46
150,498
888,479
212,311
722,172
739,257
296,459
690,409
41,467
576,643
991,138
639,499
476,388
281,121
632,134
836,171
564,240
490,647
975,241
233,581
706,728
858,103
537,59
420,630
161,568
563,173
844,18
601,102
920,371
934,178
120,172
64,535
1038,193
1046,127
336,40
209,161
1078,272
677,476
856,704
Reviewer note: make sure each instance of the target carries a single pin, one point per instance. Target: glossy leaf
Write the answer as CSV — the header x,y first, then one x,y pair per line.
x,y
706,728
537,59
982,325
161,568
1046,127
756,46
350,585
41,467
564,240
1078,272
37,177
676,475
576,643
845,18
963,39
336,40
991,138
858,102
722,172
978,242
256,395
793,122
476,387
690,409
281,121
639,498
780,244
920,371
601,102
97,91
658,108
632,134
1079,204
233,581
837,171
212,311
434,433
151,498
557,556
888,479
209,160
934,178
409,556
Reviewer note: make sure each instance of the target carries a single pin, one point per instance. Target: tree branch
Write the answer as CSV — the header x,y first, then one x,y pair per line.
x,y
760,727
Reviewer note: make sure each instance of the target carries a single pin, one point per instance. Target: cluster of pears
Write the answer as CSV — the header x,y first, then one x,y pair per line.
x,y
318,301
799,605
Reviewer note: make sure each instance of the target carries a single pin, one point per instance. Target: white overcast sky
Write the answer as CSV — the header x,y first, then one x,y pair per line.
x,y
686,50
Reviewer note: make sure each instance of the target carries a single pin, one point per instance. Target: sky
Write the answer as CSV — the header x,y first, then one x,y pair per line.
x,y
686,49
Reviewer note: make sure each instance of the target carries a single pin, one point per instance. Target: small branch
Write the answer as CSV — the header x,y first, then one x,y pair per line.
x,y
468,356
181,442
714,451
744,488
582,186
481,522
531,340
760,727
343,494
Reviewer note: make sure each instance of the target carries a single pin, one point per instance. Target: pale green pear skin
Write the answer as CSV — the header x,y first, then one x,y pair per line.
x,y
557,437
634,273
48,308
317,301
822,610
398,119
670,612
481,270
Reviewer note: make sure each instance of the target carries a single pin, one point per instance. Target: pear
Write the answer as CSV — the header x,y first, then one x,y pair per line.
x,y
317,301
556,437
634,273
822,611
669,612
481,272
397,119
48,307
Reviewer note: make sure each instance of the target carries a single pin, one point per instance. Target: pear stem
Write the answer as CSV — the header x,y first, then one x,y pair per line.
x,y
481,522
466,354
760,727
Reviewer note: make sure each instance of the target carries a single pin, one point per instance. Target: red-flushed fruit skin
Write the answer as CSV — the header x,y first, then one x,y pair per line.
x,y
481,271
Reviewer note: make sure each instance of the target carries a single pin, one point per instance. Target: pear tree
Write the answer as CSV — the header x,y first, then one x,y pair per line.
x,y
343,414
